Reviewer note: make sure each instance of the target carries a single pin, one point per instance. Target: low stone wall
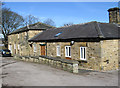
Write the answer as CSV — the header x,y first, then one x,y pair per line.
x,y
64,64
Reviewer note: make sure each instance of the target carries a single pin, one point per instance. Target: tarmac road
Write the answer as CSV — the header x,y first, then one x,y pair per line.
x,y
20,73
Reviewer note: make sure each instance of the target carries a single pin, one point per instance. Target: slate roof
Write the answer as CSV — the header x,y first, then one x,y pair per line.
x,y
36,26
91,30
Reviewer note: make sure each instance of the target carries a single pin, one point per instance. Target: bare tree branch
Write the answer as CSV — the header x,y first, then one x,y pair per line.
x,y
10,22
29,19
49,22
68,24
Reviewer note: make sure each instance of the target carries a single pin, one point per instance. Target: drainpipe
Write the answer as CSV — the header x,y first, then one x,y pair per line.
x,y
46,48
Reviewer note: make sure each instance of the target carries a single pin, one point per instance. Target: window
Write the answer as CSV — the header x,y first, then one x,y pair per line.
x,y
58,34
58,50
34,47
18,47
14,46
18,36
83,53
25,33
10,48
67,51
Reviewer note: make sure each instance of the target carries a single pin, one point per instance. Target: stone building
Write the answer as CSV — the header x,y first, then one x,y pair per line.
x,y
114,15
18,40
94,44
2,46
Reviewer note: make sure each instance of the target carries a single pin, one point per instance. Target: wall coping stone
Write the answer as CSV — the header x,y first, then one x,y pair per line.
x,y
60,59
36,57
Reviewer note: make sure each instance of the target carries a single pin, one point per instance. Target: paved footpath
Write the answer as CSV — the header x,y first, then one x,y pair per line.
x,y
20,73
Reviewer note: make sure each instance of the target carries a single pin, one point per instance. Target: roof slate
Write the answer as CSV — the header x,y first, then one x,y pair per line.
x,y
36,26
80,31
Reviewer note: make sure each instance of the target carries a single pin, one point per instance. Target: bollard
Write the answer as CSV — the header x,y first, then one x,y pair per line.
x,y
75,68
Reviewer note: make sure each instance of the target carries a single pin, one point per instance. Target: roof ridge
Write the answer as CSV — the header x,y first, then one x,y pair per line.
x,y
98,29
76,24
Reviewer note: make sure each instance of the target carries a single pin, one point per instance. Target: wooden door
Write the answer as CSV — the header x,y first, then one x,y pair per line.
x,y
43,50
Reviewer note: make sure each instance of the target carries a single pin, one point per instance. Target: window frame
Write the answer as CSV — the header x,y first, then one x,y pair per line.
x,y
18,46
83,53
67,53
14,46
25,33
58,54
18,36
10,48
34,47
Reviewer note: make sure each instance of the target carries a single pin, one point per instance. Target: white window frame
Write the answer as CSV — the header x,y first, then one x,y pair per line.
x,y
83,53
35,47
14,46
67,53
18,36
18,47
25,33
58,50
10,48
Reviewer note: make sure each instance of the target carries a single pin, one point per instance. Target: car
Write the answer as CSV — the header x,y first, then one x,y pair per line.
x,y
6,53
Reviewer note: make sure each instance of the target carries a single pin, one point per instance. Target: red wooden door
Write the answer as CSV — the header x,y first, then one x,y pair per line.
x,y
43,50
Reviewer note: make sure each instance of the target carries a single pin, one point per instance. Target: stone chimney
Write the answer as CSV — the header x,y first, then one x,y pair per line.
x,y
114,15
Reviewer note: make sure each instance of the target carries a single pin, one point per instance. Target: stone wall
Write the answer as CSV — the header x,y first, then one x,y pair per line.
x,y
119,51
63,64
101,55
93,53
32,33
21,39
109,54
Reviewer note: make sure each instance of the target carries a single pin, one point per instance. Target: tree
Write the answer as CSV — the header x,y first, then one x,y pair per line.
x,y
0,19
49,22
29,19
10,22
